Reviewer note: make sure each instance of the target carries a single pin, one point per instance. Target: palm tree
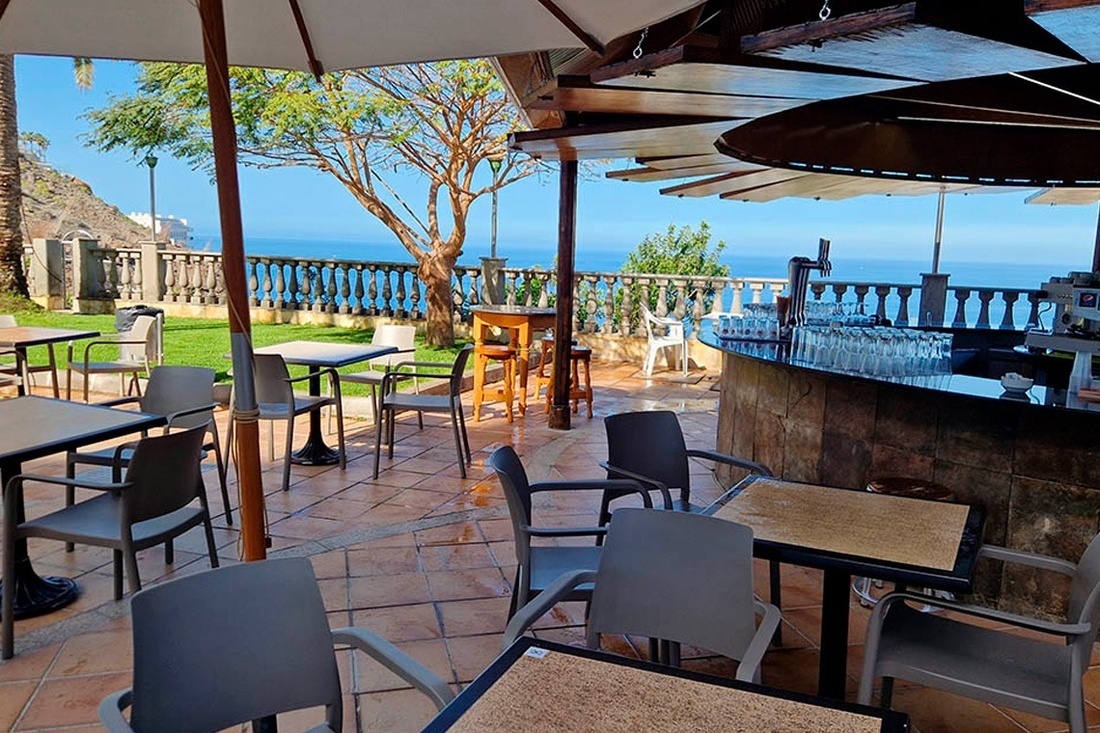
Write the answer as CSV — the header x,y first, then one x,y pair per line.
x,y
12,277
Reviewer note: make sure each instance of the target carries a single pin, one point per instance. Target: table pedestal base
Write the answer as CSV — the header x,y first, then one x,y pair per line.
x,y
315,452
35,595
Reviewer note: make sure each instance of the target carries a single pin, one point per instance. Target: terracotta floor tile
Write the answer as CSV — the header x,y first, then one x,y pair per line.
x,y
464,618
932,711
457,585
369,493
386,513
13,698
389,590
450,534
470,655
330,564
420,499
456,557
106,651
338,508
395,711
29,666
306,528
383,561
373,677
70,700
400,623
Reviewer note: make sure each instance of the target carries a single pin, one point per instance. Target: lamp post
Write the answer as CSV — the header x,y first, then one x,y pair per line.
x,y
151,161
494,164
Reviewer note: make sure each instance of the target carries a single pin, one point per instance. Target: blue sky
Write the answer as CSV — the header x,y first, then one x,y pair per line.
x,y
300,203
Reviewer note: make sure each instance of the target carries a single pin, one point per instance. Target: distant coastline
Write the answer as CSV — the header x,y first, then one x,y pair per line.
x,y
597,259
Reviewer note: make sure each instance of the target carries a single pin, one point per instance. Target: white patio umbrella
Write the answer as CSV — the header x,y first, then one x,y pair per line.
x,y
308,35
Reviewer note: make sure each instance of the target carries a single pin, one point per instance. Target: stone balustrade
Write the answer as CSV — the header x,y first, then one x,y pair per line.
x,y
605,303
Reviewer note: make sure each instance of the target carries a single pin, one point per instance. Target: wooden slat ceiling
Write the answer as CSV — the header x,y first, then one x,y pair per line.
x,y
1073,196
926,62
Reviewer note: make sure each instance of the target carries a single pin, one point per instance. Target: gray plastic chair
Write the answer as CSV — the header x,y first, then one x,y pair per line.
x,y
224,647
10,372
137,352
1025,673
401,337
649,447
153,503
679,577
183,394
537,567
278,401
445,404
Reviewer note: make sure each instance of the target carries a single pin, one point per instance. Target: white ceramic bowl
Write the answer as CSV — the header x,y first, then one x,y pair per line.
x,y
1013,382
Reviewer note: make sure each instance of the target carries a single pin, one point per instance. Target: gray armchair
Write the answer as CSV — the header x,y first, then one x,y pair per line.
x,y
154,503
538,566
1042,676
224,647
137,352
678,577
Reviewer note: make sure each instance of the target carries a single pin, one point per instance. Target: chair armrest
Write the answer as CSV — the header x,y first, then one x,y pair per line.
x,y
595,484
446,366
562,586
110,711
397,662
748,669
563,531
101,342
18,481
173,416
653,484
120,401
1045,562
1025,622
711,455
393,376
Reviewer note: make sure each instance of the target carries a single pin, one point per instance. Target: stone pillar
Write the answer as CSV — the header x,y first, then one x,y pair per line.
x,y
152,272
87,276
492,280
46,278
933,299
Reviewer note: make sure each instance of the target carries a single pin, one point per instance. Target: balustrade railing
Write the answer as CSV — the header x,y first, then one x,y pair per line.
x,y
604,302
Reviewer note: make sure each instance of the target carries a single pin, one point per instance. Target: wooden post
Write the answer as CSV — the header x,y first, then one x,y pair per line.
x,y
224,135
563,324
1096,247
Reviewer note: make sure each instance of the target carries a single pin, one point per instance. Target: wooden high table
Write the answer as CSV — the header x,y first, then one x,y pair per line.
x,y
538,686
34,427
520,320
929,544
318,355
20,338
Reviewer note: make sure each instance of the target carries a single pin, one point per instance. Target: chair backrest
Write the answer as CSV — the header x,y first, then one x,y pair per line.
x,y
676,576
166,472
175,388
271,384
517,491
458,369
7,321
145,329
650,444
222,647
1084,591
402,337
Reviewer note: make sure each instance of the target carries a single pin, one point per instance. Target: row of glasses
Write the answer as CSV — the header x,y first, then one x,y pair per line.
x,y
878,352
748,327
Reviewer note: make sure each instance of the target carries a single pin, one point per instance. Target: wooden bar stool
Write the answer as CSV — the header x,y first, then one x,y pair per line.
x,y
578,356
506,355
913,488
545,372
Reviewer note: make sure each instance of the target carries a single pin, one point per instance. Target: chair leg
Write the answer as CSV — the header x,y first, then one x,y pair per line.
x,y
221,473
68,384
229,441
288,451
887,694
169,552
53,371
462,427
86,380
340,435
7,604
391,424
209,530
130,557
116,563
378,420
458,440
776,590
70,495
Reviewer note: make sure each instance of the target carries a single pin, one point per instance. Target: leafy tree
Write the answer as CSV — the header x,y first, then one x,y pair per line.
x,y
677,251
33,145
439,120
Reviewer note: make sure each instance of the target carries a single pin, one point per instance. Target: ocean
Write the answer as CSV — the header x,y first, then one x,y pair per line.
x,y
591,258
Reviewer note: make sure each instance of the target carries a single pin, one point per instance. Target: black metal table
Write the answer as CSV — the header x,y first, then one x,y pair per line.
x,y
318,355
566,693
34,427
839,568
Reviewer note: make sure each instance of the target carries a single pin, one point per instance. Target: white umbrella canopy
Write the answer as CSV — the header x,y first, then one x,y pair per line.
x,y
308,35
344,34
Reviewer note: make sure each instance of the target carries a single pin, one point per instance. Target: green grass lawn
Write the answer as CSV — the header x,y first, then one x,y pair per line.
x,y
198,342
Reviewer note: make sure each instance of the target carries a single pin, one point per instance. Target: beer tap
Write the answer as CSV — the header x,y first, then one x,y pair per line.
x,y
798,271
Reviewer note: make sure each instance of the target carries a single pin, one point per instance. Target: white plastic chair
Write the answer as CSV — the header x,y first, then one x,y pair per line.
x,y
401,337
138,351
663,333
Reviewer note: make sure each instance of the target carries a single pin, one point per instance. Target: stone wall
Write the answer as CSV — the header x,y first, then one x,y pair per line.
x,y
1035,469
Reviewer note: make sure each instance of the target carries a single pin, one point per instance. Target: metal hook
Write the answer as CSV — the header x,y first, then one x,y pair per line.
x,y
825,11
641,40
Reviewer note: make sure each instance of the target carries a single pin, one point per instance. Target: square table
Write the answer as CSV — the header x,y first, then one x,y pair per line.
x,y
21,338
318,355
931,544
523,321
538,686
33,427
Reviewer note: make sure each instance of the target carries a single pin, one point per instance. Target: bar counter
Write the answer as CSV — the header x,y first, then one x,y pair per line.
x,y
1034,464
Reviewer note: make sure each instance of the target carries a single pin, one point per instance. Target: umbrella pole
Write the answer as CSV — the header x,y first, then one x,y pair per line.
x,y
563,320
1096,246
939,233
245,410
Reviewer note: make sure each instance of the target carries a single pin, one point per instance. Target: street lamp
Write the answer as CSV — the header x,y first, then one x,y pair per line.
x,y
151,161
494,164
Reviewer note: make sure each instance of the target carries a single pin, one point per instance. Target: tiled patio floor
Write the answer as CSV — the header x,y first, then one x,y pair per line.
x,y
424,558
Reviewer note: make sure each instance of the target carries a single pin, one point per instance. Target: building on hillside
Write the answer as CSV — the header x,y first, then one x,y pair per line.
x,y
173,228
